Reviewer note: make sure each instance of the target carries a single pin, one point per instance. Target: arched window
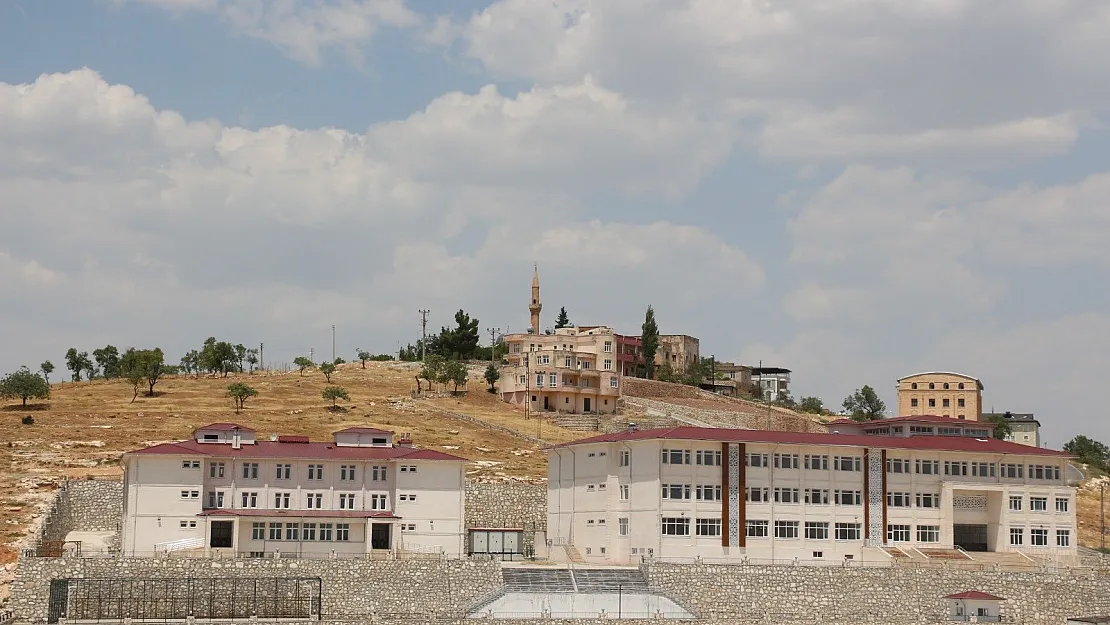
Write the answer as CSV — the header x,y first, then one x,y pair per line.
x,y
914,386
946,386
961,386
932,386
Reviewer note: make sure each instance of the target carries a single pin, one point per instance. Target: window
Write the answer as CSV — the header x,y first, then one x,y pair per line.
x,y
624,492
325,531
914,386
275,531
378,473
413,497
928,533
707,527
848,531
898,533
817,530
921,429
625,458
932,403
676,456
404,469
539,381
622,526
786,495
258,531
346,501
955,468
928,500
707,458
250,500
568,362
756,529
190,464
292,531
982,469
281,500
187,525
1056,473
848,497
1040,472
786,461
913,402
758,495
1061,504
612,381
897,465
676,526
816,463
926,467
552,380
817,496
215,469
708,493
308,531
960,403
607,364
377,502
756,460
283,471
1038,504
1013,470
786,529
408,527
1016,535
250,470
215,499
1063,538
545,359
1038,537
607,347
316,500
846,463
346,472
676,491
947,403
190,494
315,471
898,500
343,531
1015,502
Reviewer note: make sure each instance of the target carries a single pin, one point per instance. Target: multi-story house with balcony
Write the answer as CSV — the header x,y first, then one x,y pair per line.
x,y
225,491
941,393
1025,429
730,494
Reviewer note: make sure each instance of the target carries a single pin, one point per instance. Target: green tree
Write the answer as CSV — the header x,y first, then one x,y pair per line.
x,y
107,358
363,356
240,355
1001,423
77,362
666,373
784,400
190,362
454,372
458,343
430,371
381,357
864,404
1089,451
47,368
24,384
335,393
562,321
303,363
240,393
492,375
218,356
252,360
812,405
327,369
141,366
649,342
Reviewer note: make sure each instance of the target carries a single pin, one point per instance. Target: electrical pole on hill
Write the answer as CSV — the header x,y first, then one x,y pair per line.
x,y
333,342
311,354
423,330
492,338
261,357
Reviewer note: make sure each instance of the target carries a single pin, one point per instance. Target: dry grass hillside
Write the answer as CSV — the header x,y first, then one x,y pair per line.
x,y
718,409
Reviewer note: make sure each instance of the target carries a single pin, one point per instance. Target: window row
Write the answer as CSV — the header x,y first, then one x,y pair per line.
x,y
680,526
812,496
946,403
933,386
301,531
701,492
906,500
708,458
1038,537
1038,504
811,462
902,533
284,500
810,530
284,471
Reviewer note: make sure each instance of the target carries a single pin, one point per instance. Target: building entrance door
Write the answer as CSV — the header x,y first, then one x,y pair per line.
x,y
379,536
545,404
970,537
586,404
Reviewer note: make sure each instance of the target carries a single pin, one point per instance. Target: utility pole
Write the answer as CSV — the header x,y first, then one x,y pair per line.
x,y
423,330
492,338
1102,513
770,421
333,342
311,354
261,356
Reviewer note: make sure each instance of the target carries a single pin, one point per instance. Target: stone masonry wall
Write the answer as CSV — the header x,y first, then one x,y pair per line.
x,y
352,589
785,594
509,506
83,505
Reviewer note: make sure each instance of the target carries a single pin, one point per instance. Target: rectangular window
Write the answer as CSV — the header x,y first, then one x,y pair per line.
x,y
284,471
848,531
786,529
413,497
346,472
1061,504
622,526
757,494
281,500
568,362
1013,471
817,463
292,531
898,500
913,403
676,456
928,500
315,471
607,364
377,502
539,380
607,347
1015,502
215,469
705,492
848,497
817,496
308,531
928,533
613,381
1038,504
250,500
405,468
817,530
897,465
786,461
1017,535
315,500
625,458
250,470
342,531
756,529
846,463
216,499
786,495
275,531
552,380
707,458
947,403
982,469
960,402
757,460
932,403
676,491
1038,537
378,473
624,492
258,531
190,464
1063,538
955,468
676,526
347,501
927,467
898,533
325,531
708,527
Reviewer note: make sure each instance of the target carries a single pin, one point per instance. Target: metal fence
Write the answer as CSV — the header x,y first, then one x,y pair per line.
x,y
893,563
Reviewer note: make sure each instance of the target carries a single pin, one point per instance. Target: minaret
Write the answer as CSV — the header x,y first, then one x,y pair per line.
x,y
535,306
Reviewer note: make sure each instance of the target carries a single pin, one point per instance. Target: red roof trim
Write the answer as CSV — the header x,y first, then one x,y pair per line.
x,y
360,430
927,418
224,427
298,514
934,443
974,594
308,451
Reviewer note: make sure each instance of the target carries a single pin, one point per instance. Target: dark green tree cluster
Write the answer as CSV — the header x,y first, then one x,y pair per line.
x,y
219,358
240,393
864,405
439,370
78,363
142,367
25,384
812,405
562,321
459,342
1090,452
649,342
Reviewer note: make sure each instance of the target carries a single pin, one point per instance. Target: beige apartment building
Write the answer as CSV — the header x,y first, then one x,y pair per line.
x,y
572,370
941,393
728,495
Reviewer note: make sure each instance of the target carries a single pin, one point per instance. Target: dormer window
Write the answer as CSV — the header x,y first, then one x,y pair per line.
x,y
379,442
211,438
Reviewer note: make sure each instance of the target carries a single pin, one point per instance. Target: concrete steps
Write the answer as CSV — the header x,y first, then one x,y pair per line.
x,y
574,555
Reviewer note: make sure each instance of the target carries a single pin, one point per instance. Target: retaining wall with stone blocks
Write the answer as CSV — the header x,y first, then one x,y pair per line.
x,y
83,505
508,506
796,594
350,588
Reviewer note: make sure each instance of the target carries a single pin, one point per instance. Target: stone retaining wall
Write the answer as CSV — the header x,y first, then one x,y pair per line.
x,y
509,506
83,505
351,589
786,594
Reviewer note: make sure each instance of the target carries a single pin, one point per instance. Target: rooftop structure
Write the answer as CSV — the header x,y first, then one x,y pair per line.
x,y
1025,429
941,392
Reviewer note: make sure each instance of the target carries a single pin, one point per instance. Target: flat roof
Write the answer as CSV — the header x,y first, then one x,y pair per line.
x,y
769,370
308,451
955,373
727,435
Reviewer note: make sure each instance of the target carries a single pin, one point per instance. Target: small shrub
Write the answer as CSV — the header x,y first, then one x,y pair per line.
x,y
27,420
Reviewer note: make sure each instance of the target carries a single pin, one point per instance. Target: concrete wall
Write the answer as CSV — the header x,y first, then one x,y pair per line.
x,y
83,505
351,588
785,594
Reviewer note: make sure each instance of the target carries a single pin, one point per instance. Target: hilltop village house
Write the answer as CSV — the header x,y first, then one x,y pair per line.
x,y
941,393
731,494
225,491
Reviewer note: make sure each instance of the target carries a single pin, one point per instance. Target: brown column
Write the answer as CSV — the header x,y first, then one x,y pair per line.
x,y
866,498
884,497
742,497
724,494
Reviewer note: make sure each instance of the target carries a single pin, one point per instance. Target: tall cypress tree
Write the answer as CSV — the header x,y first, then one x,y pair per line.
x,y
649,342
562,321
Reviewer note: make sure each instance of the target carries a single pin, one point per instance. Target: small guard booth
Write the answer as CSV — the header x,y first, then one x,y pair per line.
x,y
974,607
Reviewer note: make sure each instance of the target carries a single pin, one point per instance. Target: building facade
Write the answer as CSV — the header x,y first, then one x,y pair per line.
x,y
678,350
729,494
573,370
924,425
773,381
1024,427
224,491
941,393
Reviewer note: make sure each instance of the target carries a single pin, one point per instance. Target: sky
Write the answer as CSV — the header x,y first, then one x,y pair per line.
x,y
856,190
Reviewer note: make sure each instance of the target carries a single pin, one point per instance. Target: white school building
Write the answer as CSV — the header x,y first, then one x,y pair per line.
x,y
726,494
225,491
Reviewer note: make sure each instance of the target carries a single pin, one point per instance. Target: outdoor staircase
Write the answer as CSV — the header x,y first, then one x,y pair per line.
x,y
544,580
573,554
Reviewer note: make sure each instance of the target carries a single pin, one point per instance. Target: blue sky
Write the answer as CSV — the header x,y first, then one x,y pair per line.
x,y
853,190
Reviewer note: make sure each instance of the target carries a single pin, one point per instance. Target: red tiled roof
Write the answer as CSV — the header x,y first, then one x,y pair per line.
x,y
974,594
359,430
297,514
312,451
224,427
286,438
937,443
925,418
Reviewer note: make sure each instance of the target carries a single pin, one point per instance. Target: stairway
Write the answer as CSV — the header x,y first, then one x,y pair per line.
x,y
573,554
537,580
610,580
544,580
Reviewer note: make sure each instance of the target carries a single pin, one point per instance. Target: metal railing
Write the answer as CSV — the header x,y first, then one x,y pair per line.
x,y
899,563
